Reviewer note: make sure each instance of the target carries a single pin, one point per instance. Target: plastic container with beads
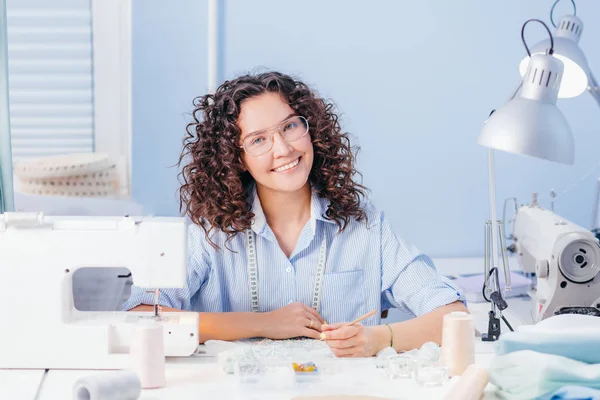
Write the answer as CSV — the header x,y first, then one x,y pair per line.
x,y
306,372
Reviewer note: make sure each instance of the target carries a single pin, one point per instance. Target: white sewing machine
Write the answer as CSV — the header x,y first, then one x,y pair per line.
x,y
564,256
39,255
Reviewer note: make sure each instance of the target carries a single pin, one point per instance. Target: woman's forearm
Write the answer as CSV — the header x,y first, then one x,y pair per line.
x,y
222,326
230,325
413,333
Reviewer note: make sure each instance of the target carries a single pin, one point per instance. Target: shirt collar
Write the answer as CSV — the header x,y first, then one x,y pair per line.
x,y
318,207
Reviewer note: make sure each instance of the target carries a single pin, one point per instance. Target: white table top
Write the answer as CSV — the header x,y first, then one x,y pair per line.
x,y
20,384
454,267
202,378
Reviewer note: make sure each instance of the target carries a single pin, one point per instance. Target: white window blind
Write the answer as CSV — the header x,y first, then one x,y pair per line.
x,y
50,64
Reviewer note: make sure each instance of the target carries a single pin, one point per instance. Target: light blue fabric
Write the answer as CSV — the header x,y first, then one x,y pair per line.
x,y
572,393
528,374
368,268
581,346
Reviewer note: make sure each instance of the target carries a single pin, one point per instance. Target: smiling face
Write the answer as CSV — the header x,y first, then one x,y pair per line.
x,y
286,167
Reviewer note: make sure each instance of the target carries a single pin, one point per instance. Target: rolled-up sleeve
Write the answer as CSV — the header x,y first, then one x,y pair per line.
x,y
410,280
198,266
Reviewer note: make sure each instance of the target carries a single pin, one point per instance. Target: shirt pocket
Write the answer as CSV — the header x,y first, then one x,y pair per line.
x,y
343,296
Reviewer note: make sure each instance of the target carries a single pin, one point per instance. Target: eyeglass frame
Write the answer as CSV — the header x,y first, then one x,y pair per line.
x,y
279,125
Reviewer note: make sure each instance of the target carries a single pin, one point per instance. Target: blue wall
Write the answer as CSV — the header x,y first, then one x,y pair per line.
x,y
169,69
413,81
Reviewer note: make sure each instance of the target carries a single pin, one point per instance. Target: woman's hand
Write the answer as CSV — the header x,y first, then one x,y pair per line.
x,y
294,320
354,341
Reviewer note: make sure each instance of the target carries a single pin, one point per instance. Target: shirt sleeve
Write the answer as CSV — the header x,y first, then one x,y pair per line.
x,y
198,268
410,280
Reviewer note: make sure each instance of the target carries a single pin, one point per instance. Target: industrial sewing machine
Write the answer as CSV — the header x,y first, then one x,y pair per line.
x,y
565,258
41,328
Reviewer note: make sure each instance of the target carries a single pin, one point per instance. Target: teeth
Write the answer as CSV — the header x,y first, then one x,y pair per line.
x,y
287,166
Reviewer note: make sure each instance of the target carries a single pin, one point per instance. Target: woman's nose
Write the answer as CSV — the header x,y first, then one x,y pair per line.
x,y
281,147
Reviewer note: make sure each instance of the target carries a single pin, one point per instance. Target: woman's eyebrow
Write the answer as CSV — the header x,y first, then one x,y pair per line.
x,y
263,130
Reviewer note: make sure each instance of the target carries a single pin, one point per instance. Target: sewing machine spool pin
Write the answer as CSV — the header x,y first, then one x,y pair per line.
x,y
157,308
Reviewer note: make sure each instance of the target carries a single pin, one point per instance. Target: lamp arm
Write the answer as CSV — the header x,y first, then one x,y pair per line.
x,y
494,230
493,254
498,250
594,88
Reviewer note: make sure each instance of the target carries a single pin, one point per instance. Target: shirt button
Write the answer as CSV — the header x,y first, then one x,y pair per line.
x,y
288,269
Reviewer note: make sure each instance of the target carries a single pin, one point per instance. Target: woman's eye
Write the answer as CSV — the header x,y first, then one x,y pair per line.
x,y
289,126
257,140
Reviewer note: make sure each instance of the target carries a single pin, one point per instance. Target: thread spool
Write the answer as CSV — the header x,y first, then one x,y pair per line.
x,y
471,384
147,352
458,342
118,385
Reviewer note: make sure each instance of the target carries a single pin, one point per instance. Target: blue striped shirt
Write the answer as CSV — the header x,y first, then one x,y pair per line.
x,y
367,268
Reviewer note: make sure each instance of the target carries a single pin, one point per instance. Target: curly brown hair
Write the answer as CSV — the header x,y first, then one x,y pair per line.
x,y
214,188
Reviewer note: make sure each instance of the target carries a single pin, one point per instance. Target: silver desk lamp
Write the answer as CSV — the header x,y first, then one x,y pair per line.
x,y
529,124
578,76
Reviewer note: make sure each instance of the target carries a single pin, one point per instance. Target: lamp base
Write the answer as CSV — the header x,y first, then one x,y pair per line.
x,y
493,332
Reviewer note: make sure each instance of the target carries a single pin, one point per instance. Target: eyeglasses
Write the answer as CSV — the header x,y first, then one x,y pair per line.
x,y
291,129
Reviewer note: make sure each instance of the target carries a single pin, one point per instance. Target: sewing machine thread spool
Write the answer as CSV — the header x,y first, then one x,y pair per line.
x,y
147,351
458,342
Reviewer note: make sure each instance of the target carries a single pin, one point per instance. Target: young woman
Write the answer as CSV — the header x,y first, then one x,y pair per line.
x,y
281,238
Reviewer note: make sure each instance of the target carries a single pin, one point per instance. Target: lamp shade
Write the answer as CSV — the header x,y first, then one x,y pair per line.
x,y
566,48
531,123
